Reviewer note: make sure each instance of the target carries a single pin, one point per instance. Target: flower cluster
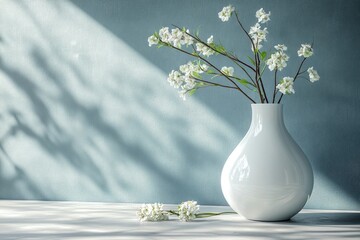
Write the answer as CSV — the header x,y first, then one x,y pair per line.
x,y
256,33
190,76
228,71
278,60
153,40
203,49
286,85
188,210
313,75
152,212
305,51
186,78
176,37
225,13
262,16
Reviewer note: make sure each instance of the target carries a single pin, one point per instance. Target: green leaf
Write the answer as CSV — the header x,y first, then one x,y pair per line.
x,y
192,91
199,84
195,54
263,55
243,82
247,84
196,74
218,48
197,32
252,61
210,71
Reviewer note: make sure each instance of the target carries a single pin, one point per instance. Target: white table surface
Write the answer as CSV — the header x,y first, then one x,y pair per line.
x,y
75,220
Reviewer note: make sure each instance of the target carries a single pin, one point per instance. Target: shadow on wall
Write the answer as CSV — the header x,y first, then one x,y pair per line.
x,y
84,117
92,120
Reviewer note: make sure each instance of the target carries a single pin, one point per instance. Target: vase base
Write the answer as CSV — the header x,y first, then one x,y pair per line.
x,y
260,220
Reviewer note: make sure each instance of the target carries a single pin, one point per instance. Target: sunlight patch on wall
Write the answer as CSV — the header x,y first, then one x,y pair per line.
x,y
325,189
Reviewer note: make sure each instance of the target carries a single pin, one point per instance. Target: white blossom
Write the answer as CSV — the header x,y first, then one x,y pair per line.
x,y
257,32
278,60
225,13
262,16
186,79
257,46
286,85
280,47
190,68
189,83
175,79
186,68
203,68
204,50
153,40
258,35
188,40
305,50
313,75
152,212
228,71
188,210
177,37
165,35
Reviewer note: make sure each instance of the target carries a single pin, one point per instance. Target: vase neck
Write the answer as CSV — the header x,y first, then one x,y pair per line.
x,y
267,115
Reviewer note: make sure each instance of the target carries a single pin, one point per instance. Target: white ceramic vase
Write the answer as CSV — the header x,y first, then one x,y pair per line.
x,y
267,177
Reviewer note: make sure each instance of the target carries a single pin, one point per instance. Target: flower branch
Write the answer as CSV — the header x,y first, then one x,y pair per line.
x,y
258,36
212,83
186,211
296,75
224,75
202,50
223,52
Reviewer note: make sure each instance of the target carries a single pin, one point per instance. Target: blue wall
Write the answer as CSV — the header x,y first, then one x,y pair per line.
x,y
87,114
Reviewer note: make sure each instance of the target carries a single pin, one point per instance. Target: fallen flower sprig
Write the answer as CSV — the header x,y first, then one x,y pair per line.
x,y
186,211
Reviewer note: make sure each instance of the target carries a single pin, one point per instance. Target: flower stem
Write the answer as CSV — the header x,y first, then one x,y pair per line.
x,y
172,212
260,79
254,48
273,100
232,57
296,75
212,83
247,74
211,214
198,56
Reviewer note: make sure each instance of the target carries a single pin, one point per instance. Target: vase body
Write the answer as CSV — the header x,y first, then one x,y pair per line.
x,y
267,177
